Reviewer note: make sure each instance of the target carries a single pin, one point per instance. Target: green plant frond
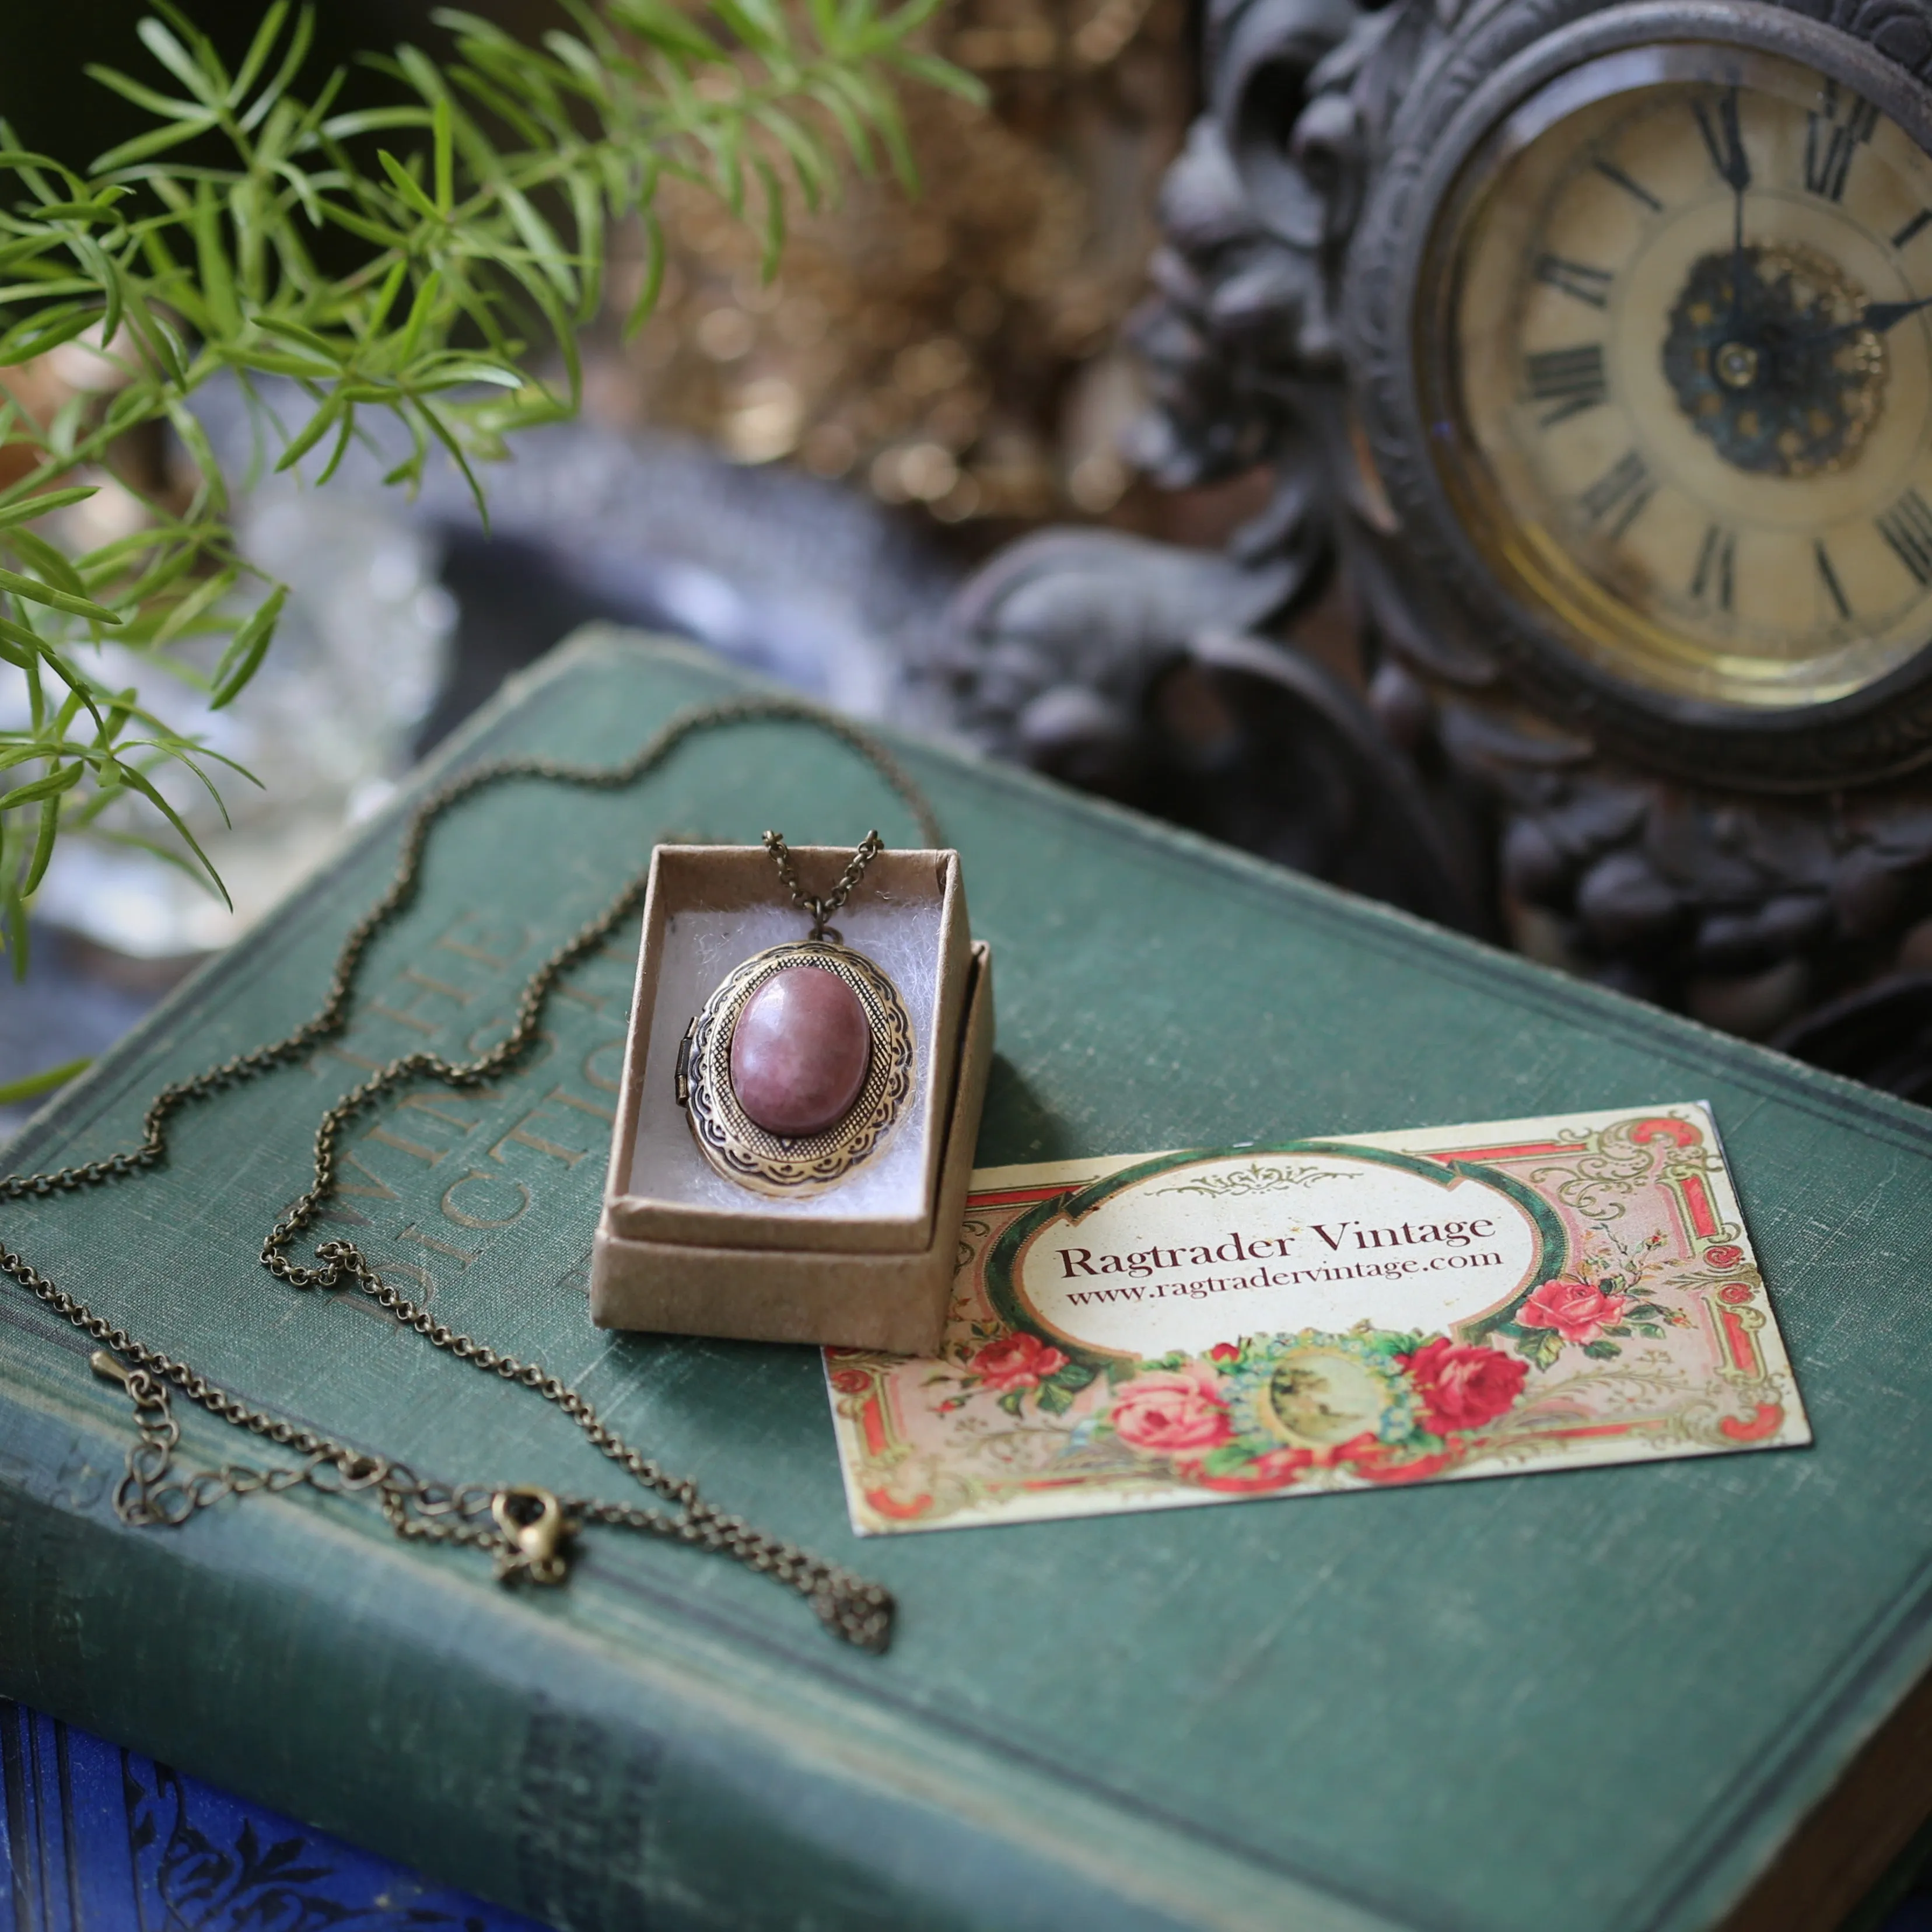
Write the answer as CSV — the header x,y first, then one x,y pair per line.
x,y
432,418
934,72
761,27
17,1092
577,60
662,26
540,239
450,369
46,329
55,782
463,26
243,656
44,836
15,509
256,58
849,124
271,96
484,225
208,591
420,310
49,560
162,106
173,747
30,164
218,273
372,121
212,494
63,442
406,185
200,72
79,685
35,592
135,780
135,842
505,106
344,437
774,222
13,754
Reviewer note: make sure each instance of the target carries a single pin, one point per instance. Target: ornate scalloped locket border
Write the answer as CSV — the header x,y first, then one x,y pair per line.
x,y
735,1145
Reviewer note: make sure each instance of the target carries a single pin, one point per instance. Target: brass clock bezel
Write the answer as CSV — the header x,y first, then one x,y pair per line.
x,y
1450,128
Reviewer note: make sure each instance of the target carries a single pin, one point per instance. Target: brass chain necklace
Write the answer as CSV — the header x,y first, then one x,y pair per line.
x,y
822,910
526,1529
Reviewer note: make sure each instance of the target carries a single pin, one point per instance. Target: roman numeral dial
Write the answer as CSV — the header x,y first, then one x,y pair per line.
x,y
1834,132
1687,399
1580,281
1715,580
1828,577
1907,528
1619,497
1568,380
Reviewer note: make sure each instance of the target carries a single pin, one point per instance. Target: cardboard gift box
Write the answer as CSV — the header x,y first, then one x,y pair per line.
x,y
867,1263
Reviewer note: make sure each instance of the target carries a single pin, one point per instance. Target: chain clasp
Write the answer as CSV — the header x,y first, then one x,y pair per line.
x,y
534,1530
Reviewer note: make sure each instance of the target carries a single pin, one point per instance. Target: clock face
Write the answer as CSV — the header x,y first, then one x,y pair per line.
x,y
1679,378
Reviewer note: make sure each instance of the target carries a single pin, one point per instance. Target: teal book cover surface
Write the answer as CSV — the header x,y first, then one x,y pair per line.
x,y
1605,1699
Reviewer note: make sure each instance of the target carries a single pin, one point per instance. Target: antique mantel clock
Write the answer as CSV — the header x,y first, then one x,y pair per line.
x,y
1595,342
1641,313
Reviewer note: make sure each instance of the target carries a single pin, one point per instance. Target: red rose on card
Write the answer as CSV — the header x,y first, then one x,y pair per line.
x,y
1576,1310
1018,1361
1461,1386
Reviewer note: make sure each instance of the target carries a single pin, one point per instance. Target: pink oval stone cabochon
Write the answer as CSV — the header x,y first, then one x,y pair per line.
x,y
799,1052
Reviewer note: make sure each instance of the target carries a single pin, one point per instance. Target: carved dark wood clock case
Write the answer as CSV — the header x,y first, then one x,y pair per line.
x,y
1594,343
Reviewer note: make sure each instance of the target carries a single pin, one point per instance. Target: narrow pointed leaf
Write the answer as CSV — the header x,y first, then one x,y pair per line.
x,y
243,657
406,185
138,781
205,88
51,786
36,592
256,58
17,1093
25,509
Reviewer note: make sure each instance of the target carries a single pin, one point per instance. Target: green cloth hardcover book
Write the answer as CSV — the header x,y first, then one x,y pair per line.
x,y
1676,1695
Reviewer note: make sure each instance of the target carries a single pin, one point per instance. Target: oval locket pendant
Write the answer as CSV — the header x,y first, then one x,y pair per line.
x,y
797,1067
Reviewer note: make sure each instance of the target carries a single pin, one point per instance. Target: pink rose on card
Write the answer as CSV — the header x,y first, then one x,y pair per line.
x,y
1180,1413
1576,1310
1461,1386
1018,1361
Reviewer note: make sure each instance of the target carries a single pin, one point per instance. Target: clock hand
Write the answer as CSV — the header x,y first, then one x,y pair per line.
x,y
1876,316
1725,139
1882,315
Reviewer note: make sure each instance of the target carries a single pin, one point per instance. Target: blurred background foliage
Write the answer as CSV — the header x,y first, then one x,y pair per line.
x,y
967,332
955,350
430,260
944,363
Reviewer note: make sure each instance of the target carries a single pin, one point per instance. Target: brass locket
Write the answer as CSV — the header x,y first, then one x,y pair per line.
x,y
789,1083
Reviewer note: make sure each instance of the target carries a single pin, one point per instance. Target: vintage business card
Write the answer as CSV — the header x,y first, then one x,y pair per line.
x,y
1151,1331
